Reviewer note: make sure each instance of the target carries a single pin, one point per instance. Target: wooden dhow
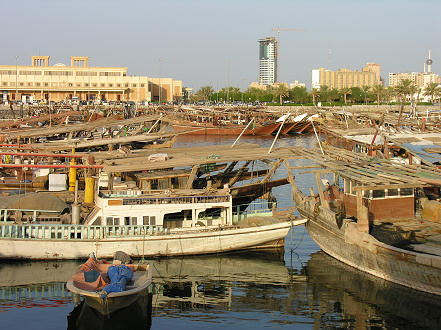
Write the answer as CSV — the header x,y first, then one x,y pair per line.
x,y
366,217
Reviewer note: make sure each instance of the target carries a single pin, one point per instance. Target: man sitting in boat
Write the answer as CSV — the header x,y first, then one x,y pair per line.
x,y
103,277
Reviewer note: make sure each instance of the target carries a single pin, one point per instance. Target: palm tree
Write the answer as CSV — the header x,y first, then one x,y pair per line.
x,y
365,90
389,92
430,90
404,88
379,91
205,92
323,92
346,91
281,91
315,94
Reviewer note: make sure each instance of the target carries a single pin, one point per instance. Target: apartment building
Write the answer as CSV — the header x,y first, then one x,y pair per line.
x,y
345,78
42,81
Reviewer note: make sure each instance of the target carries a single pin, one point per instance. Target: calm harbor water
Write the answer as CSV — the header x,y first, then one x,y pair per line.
x,y
299,287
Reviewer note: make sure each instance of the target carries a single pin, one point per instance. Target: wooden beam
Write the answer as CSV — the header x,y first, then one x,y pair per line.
x,y
389,186
323,201
362,214
192,176
239,174
291,177
271,172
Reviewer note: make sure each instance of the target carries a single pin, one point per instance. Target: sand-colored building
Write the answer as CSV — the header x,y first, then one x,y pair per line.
x,y
420,79
42,81
345,78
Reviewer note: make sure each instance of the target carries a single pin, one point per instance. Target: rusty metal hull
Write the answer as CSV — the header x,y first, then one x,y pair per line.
x,y
342,241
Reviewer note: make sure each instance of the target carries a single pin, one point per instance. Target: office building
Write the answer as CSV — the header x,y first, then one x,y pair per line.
x,y
268,61
345,78
420,79
42,81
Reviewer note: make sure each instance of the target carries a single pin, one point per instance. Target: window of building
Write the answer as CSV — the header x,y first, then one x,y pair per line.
x,y
86,85
94,85
110,85
46,84
4,84
149,220
134,85
21,84
29,84
70,84
142,85
38,84
126,85
111,221
102,85
119,85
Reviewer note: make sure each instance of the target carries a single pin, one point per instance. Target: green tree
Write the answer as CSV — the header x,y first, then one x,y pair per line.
x,y
323,93
280,92
402,90
430,90
345,91
332,95
365,90
299,95
315,95
378,90
204,93
357,94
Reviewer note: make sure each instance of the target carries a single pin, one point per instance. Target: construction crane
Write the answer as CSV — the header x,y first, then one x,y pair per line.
x,y
278,30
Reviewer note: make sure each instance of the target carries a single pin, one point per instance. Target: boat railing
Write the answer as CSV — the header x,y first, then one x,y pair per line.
x,y
4,213
75,232
140,200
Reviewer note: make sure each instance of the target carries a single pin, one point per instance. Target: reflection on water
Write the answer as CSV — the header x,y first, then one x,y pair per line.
x,y
299,287
136,316
271,289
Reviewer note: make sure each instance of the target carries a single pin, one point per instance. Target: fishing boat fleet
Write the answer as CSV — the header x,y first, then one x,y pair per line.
x,y
83,184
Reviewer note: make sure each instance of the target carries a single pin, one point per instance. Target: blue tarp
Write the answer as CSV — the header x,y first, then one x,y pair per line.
x,y
118,275
418,150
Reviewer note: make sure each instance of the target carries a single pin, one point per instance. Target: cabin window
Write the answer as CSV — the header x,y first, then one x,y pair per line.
x,y
175,183
163,184
392,192
154,184
378,193
183,182
112,221
406,191
149,220
367,193
130,221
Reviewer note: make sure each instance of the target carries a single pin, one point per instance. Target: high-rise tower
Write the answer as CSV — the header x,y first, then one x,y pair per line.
x,y
429,63
268,49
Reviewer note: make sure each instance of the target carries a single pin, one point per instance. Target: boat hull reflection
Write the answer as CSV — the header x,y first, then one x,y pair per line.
x,y
137,315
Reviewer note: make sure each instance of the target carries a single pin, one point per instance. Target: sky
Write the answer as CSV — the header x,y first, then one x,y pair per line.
x,y
208,42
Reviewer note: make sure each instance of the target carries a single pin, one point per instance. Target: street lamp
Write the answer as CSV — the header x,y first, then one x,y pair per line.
x,y
16,78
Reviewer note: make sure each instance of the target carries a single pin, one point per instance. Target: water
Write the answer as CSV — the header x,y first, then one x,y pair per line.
x,y
298,288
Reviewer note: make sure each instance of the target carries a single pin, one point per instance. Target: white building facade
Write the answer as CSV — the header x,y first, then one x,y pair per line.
x,y
268,61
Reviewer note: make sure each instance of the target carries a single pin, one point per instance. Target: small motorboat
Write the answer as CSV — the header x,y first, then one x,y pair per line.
x,y
94,282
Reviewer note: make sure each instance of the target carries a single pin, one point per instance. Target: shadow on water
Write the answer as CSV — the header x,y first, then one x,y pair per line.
x,y
137,316
351,298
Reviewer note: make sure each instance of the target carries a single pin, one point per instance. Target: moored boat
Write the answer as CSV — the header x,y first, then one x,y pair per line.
x,y
367,219
139,278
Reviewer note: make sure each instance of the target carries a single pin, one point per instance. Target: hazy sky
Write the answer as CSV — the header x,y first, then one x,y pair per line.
x,y
207,42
